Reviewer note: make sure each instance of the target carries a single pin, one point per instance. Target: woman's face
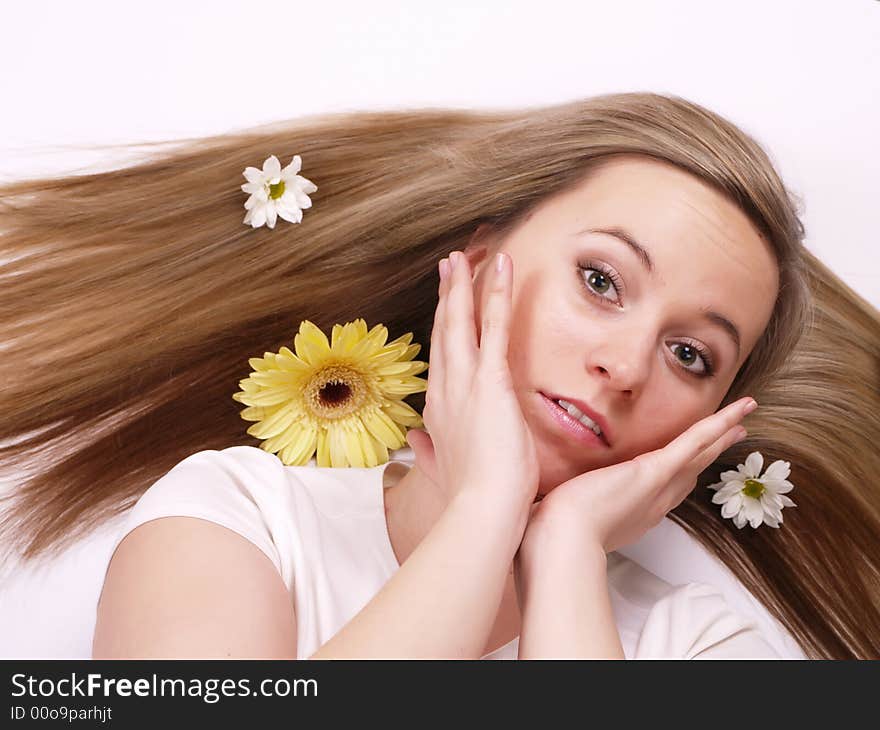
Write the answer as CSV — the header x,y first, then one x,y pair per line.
x,y
642,345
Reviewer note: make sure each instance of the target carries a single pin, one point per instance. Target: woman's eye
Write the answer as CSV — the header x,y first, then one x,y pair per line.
x,y
601,282
687,355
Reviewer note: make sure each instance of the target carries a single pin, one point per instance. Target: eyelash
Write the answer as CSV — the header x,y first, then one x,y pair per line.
x,y
618,287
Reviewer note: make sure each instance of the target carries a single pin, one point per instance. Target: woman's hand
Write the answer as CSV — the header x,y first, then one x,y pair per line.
x,y
615,506
479,441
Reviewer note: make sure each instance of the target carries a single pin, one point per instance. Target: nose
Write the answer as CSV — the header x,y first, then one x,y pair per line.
x,y
623,365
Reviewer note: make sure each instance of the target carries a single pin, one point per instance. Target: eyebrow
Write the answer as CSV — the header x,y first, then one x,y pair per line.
x,y
622,235
725,324
642,253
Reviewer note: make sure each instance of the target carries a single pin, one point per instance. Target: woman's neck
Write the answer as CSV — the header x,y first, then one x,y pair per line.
x,y
413,503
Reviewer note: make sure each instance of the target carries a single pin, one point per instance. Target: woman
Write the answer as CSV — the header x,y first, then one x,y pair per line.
x,y
646,209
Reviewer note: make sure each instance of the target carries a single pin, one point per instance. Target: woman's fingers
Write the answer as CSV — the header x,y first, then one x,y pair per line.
x,y
436,371
702,437
705,459
495,326
676,467
678,488
460,328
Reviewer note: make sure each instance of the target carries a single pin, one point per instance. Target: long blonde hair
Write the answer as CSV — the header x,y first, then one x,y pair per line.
x,y
132,299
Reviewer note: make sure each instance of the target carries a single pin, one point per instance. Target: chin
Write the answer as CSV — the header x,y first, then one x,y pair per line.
x,y
556,471
557,467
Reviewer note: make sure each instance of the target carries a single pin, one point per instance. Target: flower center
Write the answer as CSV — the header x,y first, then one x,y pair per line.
x,y
336,391
753,488
276,190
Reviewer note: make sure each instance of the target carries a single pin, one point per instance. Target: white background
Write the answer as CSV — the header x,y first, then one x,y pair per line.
x,y
803,76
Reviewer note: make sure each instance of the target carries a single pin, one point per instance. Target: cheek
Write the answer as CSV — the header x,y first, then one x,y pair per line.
x,y
533,335
521,360
546,337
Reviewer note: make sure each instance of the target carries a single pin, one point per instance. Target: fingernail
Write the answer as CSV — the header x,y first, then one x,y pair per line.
x,y
453,259
444,268
741,434
750,406
499,262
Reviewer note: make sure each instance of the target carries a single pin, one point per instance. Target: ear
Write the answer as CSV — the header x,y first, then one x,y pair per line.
x,y
478,247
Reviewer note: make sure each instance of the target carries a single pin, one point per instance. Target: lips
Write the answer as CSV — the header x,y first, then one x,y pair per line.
x,y
587,411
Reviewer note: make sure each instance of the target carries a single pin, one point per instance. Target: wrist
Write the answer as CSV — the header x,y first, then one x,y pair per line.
x,y
560,548
563,572
494,515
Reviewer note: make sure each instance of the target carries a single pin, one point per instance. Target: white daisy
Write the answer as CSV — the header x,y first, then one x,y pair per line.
x,y
748,497
275,192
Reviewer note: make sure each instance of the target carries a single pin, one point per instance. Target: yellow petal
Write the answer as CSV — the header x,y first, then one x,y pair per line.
x,y
248,386
335,336
373,341
322,455
386,355
403,339
311,344
381,451
346,340
266,398
282,419
365,441
337,447
258,364
403,413
300,450
372,450
289,361
290,434
399,387
383,428
403,368
278,379
313,333
411,352
276,443
263,447
254,413
353,451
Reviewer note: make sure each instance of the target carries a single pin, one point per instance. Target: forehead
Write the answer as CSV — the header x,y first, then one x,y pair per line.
x,y
706,252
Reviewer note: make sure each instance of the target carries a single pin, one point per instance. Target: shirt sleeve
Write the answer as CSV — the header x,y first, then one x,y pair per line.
x,y
233,488
694,621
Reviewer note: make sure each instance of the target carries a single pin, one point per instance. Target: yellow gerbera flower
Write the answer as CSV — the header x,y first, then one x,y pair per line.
x,y
342,398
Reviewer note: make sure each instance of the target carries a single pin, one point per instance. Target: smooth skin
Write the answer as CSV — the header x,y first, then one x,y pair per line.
x,y
481,560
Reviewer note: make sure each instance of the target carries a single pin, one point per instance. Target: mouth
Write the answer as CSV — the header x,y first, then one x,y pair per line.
x,y
588,427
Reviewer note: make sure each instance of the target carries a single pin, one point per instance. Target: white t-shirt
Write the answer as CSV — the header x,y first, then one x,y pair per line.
x,y
325,531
